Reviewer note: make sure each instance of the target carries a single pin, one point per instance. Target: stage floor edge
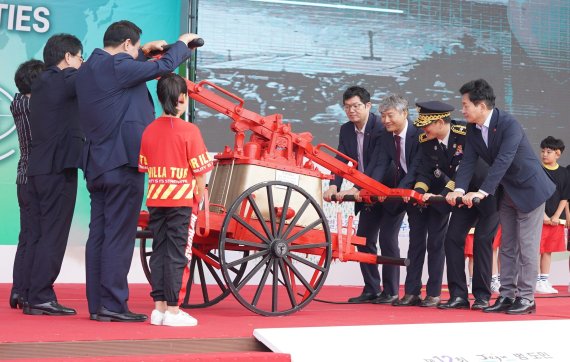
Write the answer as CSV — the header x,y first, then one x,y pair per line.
x,y
441,342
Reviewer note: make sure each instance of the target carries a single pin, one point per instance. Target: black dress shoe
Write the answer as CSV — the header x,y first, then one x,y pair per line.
x,y
408,300
385,299
48,308
522,306
430,302
364,298
16,301
93,316
480,304
455,303
501,305
105,315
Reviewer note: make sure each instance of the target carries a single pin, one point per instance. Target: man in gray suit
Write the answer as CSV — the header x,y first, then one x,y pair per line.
x,y
515,171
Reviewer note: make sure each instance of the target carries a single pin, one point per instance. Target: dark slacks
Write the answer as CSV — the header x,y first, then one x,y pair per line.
x,y
485,219
379,226
21,270
427,233
169,226
51,211
116,198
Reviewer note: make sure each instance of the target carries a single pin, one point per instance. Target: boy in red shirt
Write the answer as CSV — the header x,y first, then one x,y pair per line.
x,y
552,239
176,160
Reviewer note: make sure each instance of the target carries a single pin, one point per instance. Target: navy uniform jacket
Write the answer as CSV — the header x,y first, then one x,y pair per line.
x,y
513,163
436,173
57,139
115,105
437,170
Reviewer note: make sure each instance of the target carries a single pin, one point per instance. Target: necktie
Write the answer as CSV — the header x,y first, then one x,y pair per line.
x,y
485,134
397,158
360,150
443,146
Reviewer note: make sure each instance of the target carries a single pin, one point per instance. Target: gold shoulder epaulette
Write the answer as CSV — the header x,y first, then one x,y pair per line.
x,y
423,138
459,129
422,186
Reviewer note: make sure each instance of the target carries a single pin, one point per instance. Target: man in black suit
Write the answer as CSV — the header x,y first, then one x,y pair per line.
x,y
496,137
57,142
442,153
357,140
399,146
115,107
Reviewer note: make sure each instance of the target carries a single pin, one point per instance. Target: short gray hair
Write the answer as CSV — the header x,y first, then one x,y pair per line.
x,y
393,101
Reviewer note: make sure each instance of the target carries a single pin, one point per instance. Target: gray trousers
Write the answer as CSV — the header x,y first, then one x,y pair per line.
x,y
520,243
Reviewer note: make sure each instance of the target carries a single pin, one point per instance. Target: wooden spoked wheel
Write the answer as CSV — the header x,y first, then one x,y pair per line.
x,y
290,249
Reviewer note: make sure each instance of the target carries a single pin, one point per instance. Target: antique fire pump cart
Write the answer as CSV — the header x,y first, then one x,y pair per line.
x,y
263,224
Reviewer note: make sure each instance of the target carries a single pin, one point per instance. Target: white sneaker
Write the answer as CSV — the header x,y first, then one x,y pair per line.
x,y
541,288
495,286
550,288
180,319
156,317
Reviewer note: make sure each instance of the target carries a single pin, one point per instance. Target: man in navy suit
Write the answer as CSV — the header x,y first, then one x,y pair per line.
x,y
115,107
357,140
55,156
400,146
496,137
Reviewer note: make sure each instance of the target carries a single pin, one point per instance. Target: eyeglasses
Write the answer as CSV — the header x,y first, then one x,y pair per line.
x,y
356,107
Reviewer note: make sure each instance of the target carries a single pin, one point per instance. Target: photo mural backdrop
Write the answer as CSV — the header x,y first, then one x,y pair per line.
x,y
24,29
296,58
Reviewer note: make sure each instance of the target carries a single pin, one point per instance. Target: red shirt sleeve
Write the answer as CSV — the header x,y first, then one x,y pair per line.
x,y
198,158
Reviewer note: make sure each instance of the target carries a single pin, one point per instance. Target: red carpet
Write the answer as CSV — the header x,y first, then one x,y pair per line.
x,y
228,319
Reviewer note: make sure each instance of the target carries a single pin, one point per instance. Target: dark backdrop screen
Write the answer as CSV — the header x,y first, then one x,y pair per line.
x,y
297,57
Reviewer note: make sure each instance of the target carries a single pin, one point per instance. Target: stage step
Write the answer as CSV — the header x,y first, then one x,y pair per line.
x,y
211,349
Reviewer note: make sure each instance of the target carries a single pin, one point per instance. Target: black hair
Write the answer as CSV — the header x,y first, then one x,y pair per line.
x,y
479,91
26,73
356,91
553,144
169,89
58,45
120,31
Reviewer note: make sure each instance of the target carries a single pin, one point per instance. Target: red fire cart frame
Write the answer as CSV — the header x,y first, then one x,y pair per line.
x,y
272,235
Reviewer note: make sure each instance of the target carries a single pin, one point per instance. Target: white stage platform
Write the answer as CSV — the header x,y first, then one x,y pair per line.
x,y
443,342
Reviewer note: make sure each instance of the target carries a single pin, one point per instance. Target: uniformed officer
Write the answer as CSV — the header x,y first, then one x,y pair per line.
x,y
430,223
444,142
